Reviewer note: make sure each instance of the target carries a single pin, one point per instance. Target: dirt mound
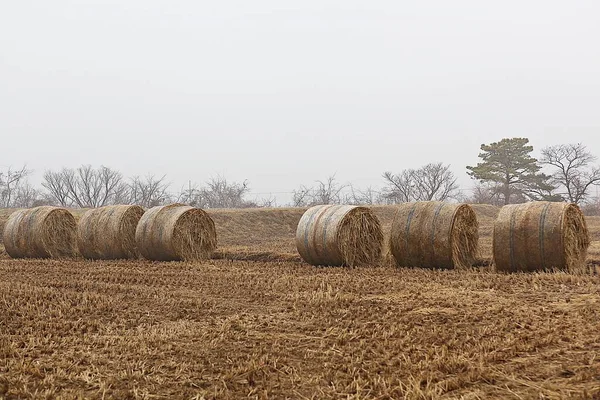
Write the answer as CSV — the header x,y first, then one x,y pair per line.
x,y
257,229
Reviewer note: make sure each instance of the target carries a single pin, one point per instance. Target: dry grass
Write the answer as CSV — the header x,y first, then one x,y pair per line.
x,y
283,329
257,234
220,329
339,236
593,254
434,235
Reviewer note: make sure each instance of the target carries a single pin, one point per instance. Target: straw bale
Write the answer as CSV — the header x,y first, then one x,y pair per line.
x,y
337,235
41,232
540,236
176,232
433,234
108,233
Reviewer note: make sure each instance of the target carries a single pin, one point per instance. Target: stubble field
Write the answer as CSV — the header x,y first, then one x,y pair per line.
x,y
256,322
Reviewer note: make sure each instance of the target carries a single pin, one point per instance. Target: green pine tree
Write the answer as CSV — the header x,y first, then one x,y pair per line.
x,y
509,165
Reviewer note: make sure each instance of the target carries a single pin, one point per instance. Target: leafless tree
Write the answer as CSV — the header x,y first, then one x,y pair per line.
x,y
97,188
401,188
265,202
328,191
325,192
485,193
301,197
146,192
433,181
84,186
27,196
573,171
57,188
436,182
218,193
13,183
591,207
368,196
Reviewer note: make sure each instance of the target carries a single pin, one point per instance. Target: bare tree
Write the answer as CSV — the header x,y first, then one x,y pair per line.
x,y
488,193
57,188
13,183
401,187
301,197
187,195
433,181
591,207
27,196
85,186
325,192
146,192
328,191
97,188
218,193
485,193
265,202
573,170
368,196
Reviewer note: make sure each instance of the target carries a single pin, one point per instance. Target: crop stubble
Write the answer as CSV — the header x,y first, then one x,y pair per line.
x,y
231,329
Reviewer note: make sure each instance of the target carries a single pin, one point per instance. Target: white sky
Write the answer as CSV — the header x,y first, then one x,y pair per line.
x,y
284,93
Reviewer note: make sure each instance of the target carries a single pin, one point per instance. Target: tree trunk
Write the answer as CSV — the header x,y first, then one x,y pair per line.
x,y
506,193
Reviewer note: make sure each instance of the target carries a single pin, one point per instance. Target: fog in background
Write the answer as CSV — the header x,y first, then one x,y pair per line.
x,y
285,93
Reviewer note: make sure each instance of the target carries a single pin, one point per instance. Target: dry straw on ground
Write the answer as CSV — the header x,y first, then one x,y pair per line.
x,y
41,232
434,235
339,235
540,235
108,233
176,232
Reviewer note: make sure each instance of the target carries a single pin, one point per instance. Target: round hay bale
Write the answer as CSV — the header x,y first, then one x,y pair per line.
x,y
108,233
540,235
433,234
339,235
176,232
41,232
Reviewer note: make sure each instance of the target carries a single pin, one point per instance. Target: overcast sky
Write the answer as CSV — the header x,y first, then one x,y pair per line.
x,y
283,93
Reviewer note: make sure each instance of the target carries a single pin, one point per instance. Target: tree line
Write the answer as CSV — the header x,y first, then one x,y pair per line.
x,y
507,173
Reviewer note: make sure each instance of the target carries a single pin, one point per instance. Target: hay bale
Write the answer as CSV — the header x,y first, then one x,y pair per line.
x,y
339,235
540,235
176,232
41,232
433,234
108,233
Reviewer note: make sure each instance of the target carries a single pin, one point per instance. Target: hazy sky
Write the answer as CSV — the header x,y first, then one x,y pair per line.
x,y
284,93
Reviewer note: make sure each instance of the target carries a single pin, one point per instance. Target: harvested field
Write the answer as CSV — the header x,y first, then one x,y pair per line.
x,y
277,329
235,329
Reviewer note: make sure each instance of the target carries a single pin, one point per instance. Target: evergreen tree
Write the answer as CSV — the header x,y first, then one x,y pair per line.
x,y
508,165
